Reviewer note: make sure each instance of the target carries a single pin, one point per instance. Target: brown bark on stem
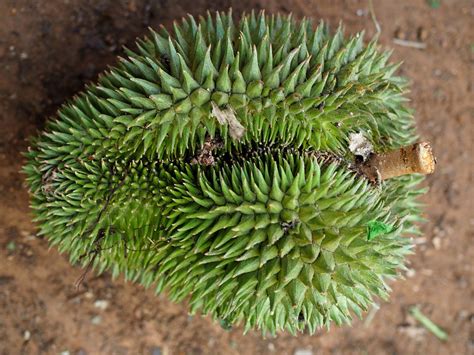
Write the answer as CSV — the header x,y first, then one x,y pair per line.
x,y
413,159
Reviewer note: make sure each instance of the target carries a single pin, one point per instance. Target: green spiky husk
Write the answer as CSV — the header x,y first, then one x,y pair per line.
x,y
274,233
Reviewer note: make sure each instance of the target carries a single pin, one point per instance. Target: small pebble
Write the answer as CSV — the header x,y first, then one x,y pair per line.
x,y
437,243
101,304
419,240
271,347
155,351
23,55
414,332
422,34
400,34
27,235
26,335
463,314
96,320
303,352
427,272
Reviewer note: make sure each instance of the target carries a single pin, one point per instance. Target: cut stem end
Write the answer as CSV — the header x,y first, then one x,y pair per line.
x,y
413,159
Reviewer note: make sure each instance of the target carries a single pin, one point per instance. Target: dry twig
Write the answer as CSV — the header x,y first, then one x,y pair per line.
x,y
411,44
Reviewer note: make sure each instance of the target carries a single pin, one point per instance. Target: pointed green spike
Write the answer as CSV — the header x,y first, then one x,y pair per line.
x,y
251,70
206,68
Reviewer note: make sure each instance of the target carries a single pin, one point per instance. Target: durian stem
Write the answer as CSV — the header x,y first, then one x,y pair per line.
x,y
413,159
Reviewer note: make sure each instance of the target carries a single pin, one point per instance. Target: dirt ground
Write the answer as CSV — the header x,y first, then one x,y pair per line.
x,y
50,48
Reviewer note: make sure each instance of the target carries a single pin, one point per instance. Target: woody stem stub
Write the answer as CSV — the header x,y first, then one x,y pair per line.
x,y
417,158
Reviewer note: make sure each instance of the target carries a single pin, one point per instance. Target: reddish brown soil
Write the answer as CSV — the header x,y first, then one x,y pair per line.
x,y
50,49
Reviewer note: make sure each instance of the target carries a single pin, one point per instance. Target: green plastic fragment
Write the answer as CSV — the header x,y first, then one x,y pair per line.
x,y
376,228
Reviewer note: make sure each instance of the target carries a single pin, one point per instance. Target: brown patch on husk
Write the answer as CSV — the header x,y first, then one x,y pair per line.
x,y
205,154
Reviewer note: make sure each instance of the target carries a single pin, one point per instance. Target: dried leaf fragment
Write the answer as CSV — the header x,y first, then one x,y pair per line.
x,y
227,116
360,146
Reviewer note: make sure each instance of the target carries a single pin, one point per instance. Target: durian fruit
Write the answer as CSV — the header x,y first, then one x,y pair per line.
x,y
216,162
